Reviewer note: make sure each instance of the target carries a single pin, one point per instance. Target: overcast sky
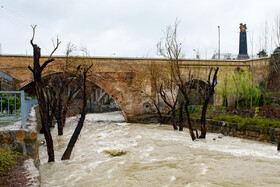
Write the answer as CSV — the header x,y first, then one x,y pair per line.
x,y
132,28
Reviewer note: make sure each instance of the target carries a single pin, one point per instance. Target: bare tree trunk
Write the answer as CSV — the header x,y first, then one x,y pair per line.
x,y
181,120
158,111
64,112
203,119
165,119
74,138
46,123
189,125
172,107
174,123
59,116
209,92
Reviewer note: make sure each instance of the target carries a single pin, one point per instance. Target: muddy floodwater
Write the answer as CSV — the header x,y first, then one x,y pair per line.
x,y
110,152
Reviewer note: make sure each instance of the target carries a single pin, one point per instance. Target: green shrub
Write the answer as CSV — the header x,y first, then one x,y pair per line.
x,y
7,160
244,121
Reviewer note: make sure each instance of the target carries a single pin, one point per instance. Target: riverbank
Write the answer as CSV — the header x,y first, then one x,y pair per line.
x,y
24,174
25,142
252,132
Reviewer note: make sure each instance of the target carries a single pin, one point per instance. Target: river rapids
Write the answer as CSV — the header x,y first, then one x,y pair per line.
x,y
110,152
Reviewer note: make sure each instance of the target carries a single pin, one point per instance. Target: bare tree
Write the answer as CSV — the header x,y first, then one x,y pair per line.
x,y
74,138
66,87
170,99
171,49
207,93
276,30
40,92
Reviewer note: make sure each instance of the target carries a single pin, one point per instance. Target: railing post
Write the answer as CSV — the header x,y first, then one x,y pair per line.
x,y
23,108
1,105
15,105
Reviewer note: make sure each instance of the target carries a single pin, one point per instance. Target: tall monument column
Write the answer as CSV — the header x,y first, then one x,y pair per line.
x,y
243,42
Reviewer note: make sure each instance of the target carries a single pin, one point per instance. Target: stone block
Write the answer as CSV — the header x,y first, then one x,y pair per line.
x,y
239,127
5,138
14,134
229,125
30,137
270,130
20,147
30,149
219,123
20,135
262,137
235,126
253,134
277,131
241,133
257,129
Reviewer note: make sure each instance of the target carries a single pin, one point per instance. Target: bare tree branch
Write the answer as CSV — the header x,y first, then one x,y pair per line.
x,y
45,64
30,69
33,35
55,47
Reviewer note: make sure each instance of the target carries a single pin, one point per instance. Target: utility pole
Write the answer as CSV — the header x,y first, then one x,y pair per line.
x,y
219,43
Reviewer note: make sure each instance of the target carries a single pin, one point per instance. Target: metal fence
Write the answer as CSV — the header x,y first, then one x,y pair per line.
x,y
15,107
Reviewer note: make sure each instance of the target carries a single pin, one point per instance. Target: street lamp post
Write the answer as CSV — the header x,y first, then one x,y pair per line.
x,y
219,43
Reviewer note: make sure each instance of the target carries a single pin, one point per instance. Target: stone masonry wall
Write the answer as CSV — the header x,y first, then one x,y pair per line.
x,y
24,140
269,135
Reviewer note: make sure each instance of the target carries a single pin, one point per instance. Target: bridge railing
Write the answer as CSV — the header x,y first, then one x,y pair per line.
x,y
15,107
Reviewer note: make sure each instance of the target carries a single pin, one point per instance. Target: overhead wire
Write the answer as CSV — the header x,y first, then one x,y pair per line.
x,y
14,14
22,19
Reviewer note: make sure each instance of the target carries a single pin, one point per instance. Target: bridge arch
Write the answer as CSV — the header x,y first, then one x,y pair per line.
x,y
109,85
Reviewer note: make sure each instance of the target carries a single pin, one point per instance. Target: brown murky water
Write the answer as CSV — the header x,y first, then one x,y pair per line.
x,y
155,155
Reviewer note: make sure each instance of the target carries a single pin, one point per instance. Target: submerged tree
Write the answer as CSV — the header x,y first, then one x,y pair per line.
x,y
64,87
170,98
170,48
50,98
75,135
207,93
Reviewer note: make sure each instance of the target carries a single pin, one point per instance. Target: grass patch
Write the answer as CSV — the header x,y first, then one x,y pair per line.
x,y
262,122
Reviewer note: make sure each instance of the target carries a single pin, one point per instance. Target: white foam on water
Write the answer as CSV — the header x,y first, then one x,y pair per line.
x,y
203,169
156,155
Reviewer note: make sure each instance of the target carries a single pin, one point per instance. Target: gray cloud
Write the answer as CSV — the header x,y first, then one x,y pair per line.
x,y
130,27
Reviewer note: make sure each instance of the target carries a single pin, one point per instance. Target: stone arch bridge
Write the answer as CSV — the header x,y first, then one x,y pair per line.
x,y
120,77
